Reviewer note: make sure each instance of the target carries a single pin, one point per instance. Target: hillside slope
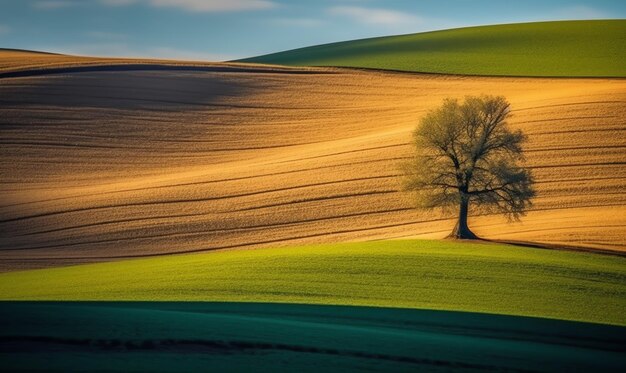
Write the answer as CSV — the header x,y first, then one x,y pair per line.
x,y
563,48
112,164
439,275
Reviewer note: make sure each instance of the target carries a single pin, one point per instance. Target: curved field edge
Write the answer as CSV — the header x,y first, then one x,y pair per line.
x,y
272,337
593,48
162,66
25,63
438,275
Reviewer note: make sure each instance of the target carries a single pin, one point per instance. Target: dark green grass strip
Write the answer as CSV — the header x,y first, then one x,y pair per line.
x,y
187,336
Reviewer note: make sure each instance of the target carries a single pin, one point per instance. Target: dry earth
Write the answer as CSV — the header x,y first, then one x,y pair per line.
x,y
97,165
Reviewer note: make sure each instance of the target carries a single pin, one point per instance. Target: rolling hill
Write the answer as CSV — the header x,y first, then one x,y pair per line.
x,y
561,48
436,275
130,190
109,164
381,306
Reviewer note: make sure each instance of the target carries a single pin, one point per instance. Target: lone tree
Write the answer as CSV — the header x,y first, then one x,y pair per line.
x,y
467,154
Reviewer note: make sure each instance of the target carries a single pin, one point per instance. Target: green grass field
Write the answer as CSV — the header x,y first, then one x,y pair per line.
x,y
562,48
438,275
190,336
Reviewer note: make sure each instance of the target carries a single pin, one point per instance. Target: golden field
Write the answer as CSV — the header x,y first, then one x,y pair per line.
x,y
101,165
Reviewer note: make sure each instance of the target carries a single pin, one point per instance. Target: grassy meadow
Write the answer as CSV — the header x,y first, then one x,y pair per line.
x,y
562,48
439,275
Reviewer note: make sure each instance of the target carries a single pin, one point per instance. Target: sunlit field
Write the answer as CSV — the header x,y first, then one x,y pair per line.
x,y
94,169
566,49
442,275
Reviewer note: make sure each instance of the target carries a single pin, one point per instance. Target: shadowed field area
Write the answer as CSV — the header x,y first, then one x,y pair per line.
x,y
163,337
100,165
442,275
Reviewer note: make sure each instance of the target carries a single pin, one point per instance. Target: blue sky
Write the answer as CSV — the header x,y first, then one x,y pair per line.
x,y
228,29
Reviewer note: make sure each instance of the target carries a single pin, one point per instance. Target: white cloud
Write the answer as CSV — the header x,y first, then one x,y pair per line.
x,y
52,4
581,12
375,16
296,22
200,5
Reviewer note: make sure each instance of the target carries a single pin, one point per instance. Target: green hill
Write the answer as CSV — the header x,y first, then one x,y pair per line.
x,y
563,48
439,275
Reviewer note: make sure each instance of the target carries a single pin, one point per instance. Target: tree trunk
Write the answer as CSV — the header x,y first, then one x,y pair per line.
x,y
461,230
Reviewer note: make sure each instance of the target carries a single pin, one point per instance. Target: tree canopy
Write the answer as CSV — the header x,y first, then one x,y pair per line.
x,y
467,154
